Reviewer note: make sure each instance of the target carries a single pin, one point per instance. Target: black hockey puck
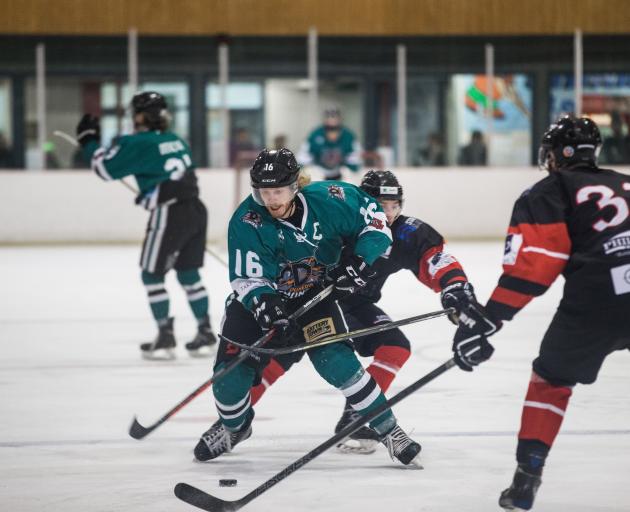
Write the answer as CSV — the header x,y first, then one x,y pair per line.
x,y
227,482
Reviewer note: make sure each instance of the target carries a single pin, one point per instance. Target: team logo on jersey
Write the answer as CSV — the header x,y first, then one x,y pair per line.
x,y
337,192
298,277
513,244
377,223
620,243
405,231
621,279
252,218
319,329
568,151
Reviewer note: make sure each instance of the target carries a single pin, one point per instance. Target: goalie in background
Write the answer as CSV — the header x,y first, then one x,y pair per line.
x,y
176,231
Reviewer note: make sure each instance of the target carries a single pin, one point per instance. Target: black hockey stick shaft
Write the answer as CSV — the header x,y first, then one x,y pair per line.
x,y
138,431
205,501
366,331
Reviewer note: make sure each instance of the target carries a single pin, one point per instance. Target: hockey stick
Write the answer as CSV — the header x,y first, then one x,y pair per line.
x,y
71,140
138,431
366,331
205,501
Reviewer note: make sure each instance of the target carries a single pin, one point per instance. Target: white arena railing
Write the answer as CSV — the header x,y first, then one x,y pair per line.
x,y
57,207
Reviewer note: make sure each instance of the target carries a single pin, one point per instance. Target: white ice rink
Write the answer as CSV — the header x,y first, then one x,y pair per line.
x,y
71,379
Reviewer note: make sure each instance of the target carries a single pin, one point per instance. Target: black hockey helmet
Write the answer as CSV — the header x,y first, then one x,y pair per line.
x,y
572,141
153,106
382,185
274,168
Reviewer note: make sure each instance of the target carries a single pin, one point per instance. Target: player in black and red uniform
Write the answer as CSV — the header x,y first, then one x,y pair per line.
x,y
575,222
416,247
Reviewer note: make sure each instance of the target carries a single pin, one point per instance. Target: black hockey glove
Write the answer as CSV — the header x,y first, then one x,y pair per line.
x,y
270,313
470,343
350,275
88,129
458,295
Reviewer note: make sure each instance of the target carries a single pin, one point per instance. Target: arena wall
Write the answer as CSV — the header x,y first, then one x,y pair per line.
x,y
77,207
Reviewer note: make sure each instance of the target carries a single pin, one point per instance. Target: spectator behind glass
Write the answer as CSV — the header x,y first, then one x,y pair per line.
x,y
6,153
432,154
474,153
240,141
330,147
616,148
280,141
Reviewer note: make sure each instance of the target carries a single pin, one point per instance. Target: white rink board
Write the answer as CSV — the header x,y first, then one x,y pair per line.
x,y
71,378
76,206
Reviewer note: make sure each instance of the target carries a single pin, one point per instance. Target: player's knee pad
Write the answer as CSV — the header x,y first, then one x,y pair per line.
x,y
336,363
234,386
188,277
151,278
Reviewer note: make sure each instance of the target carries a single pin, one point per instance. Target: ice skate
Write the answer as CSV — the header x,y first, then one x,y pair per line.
x,y
162,347
520,495
204,342
218,440
402,448
363,441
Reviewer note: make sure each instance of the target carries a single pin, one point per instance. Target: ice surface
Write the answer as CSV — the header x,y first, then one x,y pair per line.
x,y
71,379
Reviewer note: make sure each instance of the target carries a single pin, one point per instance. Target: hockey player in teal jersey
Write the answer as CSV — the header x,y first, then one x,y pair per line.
x,y
284,244
176,232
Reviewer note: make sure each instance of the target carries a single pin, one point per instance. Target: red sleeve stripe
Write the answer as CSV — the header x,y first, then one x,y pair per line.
x,y
553,238
510,298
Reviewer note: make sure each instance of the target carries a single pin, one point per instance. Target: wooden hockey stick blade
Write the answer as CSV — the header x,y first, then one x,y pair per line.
x,y
205,501
341,337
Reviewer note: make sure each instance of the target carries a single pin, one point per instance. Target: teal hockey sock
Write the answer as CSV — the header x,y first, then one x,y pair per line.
x,y
338,364
195,292
232,397
157,295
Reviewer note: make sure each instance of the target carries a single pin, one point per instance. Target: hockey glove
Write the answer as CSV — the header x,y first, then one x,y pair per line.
x,y
470,343
88,130
270,313
458,295
349,276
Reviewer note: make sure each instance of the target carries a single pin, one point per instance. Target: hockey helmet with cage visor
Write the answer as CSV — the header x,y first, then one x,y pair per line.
x,y
152,105
569,142
384,186
274,169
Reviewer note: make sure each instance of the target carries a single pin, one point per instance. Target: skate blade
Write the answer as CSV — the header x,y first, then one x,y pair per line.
x,y
358,446
415,463
202,352
161,354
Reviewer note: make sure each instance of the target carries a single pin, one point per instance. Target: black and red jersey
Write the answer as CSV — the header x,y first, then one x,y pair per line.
x,y
417,247
575,222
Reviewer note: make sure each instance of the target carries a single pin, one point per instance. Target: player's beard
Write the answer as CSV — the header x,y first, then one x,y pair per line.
x,y
282,211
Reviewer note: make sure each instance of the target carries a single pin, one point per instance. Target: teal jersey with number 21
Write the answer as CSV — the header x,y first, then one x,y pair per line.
x,y
269,255
151,157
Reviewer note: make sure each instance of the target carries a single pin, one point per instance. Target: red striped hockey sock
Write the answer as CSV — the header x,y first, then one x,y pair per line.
x,y
543,410
272,372
387,361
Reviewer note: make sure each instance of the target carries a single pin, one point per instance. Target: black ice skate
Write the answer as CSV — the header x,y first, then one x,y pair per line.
x,y
402,448
218,440
162,347
520,495
362,441
203,343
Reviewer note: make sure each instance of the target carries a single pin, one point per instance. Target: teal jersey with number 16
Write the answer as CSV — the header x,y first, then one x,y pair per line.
x,y
268,255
